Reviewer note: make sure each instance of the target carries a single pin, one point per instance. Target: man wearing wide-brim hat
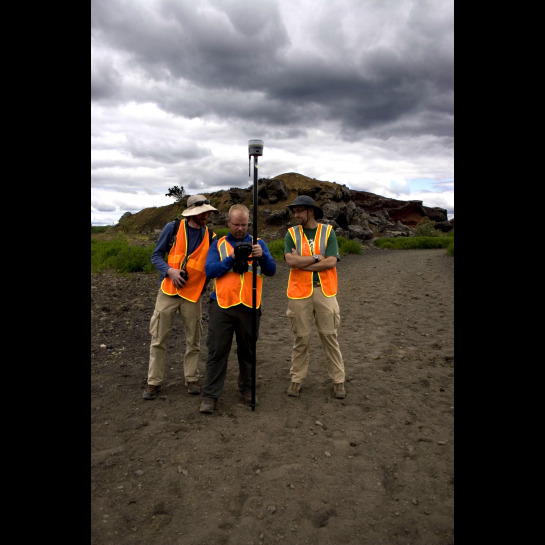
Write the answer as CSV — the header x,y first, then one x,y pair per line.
x,y
182,282
311,252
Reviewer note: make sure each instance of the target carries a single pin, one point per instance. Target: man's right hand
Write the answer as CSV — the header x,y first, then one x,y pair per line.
x,y
174,275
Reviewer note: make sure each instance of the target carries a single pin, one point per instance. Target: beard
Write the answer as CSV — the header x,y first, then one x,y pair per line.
x,y
201,219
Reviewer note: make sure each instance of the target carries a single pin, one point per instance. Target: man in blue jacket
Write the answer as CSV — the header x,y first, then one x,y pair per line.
x,y
231,305
186,250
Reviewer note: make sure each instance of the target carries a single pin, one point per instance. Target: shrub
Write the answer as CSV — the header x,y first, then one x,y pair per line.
x,y
222,232
348,246
135,259
102,252
120,255
385,243
410,243
276,247
426,228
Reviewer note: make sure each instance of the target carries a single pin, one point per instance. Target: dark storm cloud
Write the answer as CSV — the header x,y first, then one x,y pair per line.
x,y
212,48
354,91
166,151
198,53
105,80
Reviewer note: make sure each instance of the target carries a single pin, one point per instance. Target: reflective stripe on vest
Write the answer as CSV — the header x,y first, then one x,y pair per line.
x,y
233,288
195,265
300,284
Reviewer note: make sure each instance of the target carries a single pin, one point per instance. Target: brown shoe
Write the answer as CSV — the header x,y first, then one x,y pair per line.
x,y
208,405
193,388
338,390
247,398
151,391
294,389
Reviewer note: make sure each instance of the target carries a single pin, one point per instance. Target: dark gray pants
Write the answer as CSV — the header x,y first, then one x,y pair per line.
x,y
222,324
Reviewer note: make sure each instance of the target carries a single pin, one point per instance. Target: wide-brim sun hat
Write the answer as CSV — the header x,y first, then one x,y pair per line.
x,y
197,204
305,200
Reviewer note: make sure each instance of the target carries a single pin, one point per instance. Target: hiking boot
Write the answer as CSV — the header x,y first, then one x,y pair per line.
x,y
338,390
294,389
208,405
193,388
151,391
247,398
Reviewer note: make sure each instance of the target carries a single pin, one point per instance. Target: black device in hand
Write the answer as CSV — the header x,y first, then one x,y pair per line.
x,y
243,252
183,273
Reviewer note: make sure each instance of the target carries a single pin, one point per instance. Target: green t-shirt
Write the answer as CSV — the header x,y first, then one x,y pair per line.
x,y
331,250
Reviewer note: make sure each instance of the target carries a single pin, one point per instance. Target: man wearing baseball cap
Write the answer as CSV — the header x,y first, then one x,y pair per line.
x,y
311,252
182,282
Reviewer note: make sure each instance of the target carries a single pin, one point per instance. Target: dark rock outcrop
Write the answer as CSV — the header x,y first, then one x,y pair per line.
x,y
354,214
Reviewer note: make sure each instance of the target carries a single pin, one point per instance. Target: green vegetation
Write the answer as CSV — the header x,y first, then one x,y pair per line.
x,y
223,232
120,255
99,228
426,228
176,193
276,247
417,242
347,246
412,243
426,236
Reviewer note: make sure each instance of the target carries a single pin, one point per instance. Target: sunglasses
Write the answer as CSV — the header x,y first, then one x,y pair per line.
x,y
200,203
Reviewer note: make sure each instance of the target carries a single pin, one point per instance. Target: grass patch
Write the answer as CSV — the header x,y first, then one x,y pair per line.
x,y
222,232
414,243
347,246
99,228
118,254
276,247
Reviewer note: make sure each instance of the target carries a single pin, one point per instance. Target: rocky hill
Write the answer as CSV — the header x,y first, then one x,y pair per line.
x,y
354,214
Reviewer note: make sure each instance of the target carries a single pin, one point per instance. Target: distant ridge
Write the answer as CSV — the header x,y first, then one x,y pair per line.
x,y
345,208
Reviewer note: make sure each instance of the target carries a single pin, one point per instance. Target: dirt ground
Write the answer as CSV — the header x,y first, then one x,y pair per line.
x,y
375,468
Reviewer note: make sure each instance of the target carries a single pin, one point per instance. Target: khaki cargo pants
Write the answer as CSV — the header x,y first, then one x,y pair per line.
x,y
166,307
325,311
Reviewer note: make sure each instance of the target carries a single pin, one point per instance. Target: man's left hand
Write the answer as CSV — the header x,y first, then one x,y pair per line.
x,y
257,250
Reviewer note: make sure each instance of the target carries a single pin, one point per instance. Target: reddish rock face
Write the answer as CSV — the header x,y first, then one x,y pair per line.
x,y
407,212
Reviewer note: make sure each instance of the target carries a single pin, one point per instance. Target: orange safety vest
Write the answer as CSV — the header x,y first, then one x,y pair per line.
x,y
300,285
194,267
233,288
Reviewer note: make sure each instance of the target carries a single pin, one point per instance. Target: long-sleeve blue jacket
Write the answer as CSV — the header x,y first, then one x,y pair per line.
x,y
158,256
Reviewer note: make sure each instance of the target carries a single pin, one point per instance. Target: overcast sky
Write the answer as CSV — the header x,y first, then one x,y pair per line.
x,y
358,92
